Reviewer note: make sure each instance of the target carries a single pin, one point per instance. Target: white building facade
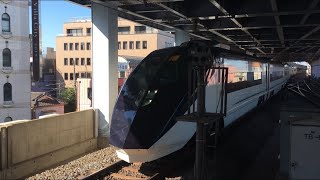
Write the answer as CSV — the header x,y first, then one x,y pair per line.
x,y
15,81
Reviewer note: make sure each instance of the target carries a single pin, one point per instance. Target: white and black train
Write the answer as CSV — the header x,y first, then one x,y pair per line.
x,y
143,124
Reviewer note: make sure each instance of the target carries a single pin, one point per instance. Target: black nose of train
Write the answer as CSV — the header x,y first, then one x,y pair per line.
x,y
121,121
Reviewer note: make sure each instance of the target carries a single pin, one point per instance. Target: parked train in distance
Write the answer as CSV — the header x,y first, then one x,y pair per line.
x,y
143,124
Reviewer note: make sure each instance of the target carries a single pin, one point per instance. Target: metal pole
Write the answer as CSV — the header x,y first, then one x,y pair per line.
x,y
226,92
74,74
200,139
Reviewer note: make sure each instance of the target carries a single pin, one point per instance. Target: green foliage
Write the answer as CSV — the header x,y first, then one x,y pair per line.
x,y
68,95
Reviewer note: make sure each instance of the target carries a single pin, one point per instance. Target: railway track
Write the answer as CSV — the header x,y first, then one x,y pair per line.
x,y
155,170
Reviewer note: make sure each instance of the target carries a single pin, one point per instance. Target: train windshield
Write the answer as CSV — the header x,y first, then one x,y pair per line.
x,y
158,69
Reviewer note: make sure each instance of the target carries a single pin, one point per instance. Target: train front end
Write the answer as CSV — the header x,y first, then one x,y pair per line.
x,y
143,124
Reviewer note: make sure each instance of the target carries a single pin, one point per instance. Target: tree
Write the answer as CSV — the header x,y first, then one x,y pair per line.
x,y
68,95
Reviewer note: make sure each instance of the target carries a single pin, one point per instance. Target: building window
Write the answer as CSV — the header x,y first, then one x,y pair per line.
x,y
89,93
138,44
119,45
6,55
144,45
65,76
7,119
71,76
70,46
74,32
88,46
122,74
125,44
77,61
77,75
76,46
88,61
65,46
88,31
82,46
71,62
88,75
124,30
5,22
82,61
65,61
131,45
140,29
7,92
82,75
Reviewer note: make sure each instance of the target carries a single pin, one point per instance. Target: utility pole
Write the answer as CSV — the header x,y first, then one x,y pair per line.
x,y
74,74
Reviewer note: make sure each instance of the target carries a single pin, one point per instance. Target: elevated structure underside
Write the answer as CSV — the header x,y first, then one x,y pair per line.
x,y
286,30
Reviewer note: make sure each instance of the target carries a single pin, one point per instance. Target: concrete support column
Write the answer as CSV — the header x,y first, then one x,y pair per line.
x,y
315,68
104,64
181,37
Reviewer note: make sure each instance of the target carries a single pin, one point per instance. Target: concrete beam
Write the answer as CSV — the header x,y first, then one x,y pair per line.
x,y
105,63
312,5
236,22
277,19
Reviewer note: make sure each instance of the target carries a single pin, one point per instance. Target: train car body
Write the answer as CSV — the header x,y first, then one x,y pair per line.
x,y
143,124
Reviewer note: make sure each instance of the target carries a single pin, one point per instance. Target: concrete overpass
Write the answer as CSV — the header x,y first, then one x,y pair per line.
x,y
286,30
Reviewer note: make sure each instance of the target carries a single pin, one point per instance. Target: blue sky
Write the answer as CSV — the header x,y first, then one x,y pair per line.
x,y
53,14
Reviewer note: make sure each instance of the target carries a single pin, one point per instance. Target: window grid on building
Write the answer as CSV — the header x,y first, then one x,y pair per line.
x,y
77,61
144,45
124,30
124,45
82,46
71,62
71,76
88,31
88,61
65,76
138,44
88,46
70,46
82,62
65,46
6,57
122,74
140,29
65,61
131,45
7,92
5,22
76,46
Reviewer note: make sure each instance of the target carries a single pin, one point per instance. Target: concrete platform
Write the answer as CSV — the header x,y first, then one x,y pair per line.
x,y
250,147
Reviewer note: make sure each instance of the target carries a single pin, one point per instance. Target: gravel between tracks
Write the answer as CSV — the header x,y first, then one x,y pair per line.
x,y
80,167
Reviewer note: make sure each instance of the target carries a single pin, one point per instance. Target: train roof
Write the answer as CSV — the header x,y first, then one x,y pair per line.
x,y
231,53
235,54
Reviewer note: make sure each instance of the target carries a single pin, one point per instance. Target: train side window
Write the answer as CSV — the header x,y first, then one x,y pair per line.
x,y
243,74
